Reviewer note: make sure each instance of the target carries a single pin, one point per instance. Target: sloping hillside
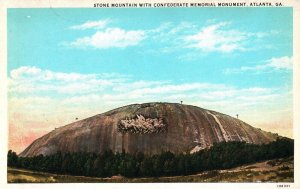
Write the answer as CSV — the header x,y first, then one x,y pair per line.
x,y
150,128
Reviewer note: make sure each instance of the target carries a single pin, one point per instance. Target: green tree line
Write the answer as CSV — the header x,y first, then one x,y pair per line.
x,y
220,156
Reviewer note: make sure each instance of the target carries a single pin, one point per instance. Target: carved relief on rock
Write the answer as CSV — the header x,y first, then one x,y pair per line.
x,y
142,125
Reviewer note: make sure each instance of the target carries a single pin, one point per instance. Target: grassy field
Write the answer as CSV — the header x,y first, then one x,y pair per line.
x,y
279,170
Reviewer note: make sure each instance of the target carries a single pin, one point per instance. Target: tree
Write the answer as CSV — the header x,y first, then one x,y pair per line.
x,y
12,159
66,165
128,167
88,167
146,168
98,167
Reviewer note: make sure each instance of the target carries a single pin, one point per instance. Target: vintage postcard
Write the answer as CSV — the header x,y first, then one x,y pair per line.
x,y
176,93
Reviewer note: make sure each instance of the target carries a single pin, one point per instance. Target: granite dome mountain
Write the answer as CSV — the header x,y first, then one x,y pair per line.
x,y
150,128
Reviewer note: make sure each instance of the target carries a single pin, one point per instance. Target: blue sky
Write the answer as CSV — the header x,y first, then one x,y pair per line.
x,y
82,62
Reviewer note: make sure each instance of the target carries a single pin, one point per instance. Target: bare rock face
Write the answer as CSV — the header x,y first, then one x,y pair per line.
x,y
150,128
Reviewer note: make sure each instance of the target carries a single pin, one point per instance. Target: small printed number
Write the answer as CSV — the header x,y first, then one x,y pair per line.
x,y
283,185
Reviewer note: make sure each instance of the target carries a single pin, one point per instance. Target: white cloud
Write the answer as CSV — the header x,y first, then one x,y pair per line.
x,y
111,38
24,71
163,27
28,79
138,85
186,39
281,63
169,37
83,89
119,88
100,24
173,89
168,31
270,65
217,38
106,37
32,72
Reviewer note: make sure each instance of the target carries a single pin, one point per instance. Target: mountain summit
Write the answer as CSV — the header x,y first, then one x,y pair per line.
x,y
150,128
